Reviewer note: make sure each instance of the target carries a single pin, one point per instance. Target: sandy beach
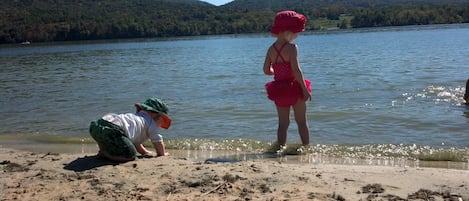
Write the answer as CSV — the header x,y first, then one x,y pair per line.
x,y
29,175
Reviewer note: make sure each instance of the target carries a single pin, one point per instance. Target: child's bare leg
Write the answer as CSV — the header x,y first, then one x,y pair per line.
x,y
466,95
101,149
283,123
301,119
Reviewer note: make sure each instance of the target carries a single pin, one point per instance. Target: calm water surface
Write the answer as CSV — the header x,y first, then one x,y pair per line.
x,y
393,86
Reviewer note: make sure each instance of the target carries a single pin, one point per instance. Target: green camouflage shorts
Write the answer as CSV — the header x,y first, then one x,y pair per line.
x,y
112,138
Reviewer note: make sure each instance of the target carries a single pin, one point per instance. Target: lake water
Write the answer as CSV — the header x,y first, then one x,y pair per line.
x,y
387,89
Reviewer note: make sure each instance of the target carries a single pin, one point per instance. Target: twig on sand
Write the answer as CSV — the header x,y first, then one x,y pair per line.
x,y
216,188
167,198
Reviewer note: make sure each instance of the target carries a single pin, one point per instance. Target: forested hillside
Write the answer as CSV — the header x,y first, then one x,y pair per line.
x,y
281,4
65,20
51,20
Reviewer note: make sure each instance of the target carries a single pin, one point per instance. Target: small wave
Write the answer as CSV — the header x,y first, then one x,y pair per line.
x,y
255,147
370,151
438,94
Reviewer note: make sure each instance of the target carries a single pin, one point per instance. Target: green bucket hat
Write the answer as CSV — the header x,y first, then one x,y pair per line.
x,y
158,106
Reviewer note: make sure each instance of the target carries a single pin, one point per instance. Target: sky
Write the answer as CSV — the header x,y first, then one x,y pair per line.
x,y
218,2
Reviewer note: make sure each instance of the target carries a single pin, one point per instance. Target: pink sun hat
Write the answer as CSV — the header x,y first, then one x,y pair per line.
x,y
288,21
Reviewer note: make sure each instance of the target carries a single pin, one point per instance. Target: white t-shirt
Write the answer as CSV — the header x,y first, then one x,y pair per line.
x,y
138,127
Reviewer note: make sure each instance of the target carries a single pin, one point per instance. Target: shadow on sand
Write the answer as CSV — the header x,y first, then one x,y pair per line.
x,y
88,163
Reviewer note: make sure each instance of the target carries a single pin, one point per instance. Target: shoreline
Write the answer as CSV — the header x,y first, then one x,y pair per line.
x,y
64,176
233,156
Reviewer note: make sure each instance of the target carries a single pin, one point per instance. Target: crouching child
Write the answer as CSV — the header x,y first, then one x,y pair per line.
x,y
121,136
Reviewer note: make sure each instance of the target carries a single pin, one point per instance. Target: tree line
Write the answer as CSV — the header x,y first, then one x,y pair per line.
x,y
421,15
67,20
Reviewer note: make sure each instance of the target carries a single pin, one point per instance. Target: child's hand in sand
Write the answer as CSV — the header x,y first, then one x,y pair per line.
x,y
152,154
165,154
149,154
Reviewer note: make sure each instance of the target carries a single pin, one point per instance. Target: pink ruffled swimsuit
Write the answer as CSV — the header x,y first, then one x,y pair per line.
x,y
284,90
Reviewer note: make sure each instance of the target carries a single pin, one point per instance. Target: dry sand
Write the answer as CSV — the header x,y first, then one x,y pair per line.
x,y
48,176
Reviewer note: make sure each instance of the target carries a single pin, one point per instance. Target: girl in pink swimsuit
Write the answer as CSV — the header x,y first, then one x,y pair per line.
x,y
289,88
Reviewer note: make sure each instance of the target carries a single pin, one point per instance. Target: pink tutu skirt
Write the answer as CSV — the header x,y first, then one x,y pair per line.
x,y
285,93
